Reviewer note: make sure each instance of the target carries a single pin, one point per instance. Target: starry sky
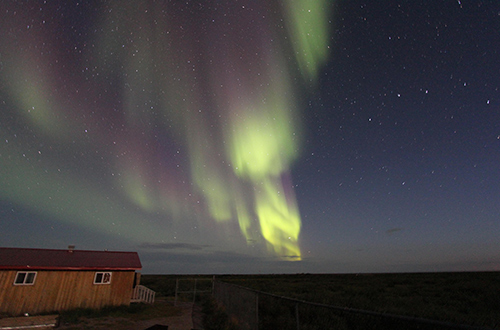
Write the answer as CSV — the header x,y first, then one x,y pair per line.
x,y
225,137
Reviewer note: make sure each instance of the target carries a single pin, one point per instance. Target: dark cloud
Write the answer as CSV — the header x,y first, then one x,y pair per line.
x,y
393,230
291,257
173,246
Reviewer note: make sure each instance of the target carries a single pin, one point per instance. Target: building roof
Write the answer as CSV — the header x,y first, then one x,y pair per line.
x,y
47,259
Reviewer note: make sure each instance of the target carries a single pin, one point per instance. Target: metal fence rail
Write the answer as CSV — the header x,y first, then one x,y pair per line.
x,y
260,310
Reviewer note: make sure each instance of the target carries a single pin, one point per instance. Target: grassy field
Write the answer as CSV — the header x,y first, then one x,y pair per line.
x,y
464,298
118,317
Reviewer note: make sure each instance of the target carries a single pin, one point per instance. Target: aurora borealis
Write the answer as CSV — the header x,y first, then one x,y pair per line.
x,y
186,113
266,136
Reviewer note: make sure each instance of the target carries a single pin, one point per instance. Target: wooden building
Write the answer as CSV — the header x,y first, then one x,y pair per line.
x,y
41,280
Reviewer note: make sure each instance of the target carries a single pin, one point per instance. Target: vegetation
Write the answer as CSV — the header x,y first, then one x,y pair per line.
x,y
462,298
134,312
469,298
215,316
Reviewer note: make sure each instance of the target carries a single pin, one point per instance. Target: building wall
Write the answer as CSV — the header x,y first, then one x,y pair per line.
x,y
63,290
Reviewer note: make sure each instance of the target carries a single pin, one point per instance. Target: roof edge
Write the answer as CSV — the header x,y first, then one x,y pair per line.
x,y
65,268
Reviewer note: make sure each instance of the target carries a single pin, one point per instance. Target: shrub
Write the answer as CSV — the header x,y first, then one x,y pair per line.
x,y
216,318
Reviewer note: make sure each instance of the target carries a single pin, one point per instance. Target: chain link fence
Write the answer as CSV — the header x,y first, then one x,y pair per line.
x,y
190,289
256,310
240,303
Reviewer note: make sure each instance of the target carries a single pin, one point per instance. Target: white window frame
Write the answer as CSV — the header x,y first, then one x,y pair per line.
x,y
26,276
103,277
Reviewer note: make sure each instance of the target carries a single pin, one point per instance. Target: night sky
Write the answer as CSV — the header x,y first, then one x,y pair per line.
x,y
254,136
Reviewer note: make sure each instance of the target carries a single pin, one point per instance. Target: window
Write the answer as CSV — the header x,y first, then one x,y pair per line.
x,y
25,278
102,278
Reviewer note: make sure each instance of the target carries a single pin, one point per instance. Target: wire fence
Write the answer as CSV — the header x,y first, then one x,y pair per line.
x,y
256,310
188,289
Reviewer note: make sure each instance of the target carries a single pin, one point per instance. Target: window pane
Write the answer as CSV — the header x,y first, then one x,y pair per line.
x,y
20,278
30,279
98,278
106,278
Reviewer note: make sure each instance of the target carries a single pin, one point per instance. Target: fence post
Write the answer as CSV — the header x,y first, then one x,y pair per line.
x,y
297,315
176,288
257,309
194,292
213,286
